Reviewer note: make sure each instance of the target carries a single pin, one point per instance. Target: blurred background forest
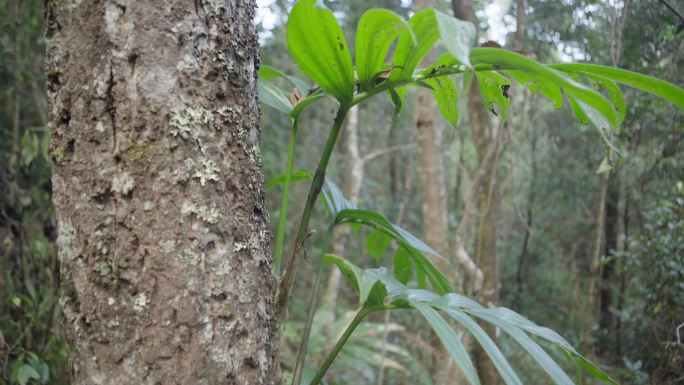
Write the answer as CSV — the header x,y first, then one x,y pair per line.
x,y
597,257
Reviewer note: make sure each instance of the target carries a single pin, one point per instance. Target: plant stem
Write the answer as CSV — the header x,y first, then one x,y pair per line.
x,y
286,283
304,342
282,219
340,344
417,78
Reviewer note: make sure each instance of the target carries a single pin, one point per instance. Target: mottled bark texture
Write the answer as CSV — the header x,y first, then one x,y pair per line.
x,y
163,237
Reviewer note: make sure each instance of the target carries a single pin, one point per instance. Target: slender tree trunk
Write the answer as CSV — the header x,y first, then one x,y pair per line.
x,y
610,228
486,258
606,320
434,208
623,242
529,222
595,263
431,175
163,232
521,121
433,202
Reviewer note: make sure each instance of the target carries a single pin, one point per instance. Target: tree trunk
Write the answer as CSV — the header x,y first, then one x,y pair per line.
x,y
431,176
606,321
434,203
163,233
486,258
595,263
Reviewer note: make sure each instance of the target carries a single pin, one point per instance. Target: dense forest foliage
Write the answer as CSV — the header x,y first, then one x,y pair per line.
x,y
596,256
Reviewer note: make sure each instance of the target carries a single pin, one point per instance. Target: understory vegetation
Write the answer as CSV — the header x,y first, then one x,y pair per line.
x,y
460,192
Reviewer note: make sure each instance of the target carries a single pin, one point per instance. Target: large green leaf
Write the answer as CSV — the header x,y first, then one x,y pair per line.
x,y
461,309
334,199
402,265
446,96
317,44
543,359
410,50
372,291
504,59
280,99
504,368
267,72
451,341
394,295
494,88
646,83
377,242
549,90
416,248
458,36
377,30
613,91
274,96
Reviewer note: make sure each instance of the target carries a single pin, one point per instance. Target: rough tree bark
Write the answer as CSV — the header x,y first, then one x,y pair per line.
x,y
163,233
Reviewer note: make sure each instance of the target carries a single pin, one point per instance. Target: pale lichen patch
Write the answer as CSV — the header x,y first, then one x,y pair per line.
x,y
224,268
189,257
167,246
66,235
140,302
208,171
187,122
207,214
123,183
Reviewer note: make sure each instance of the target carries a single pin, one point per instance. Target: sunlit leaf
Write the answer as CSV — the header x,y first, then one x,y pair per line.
x,y
377,30
316,42
407,54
